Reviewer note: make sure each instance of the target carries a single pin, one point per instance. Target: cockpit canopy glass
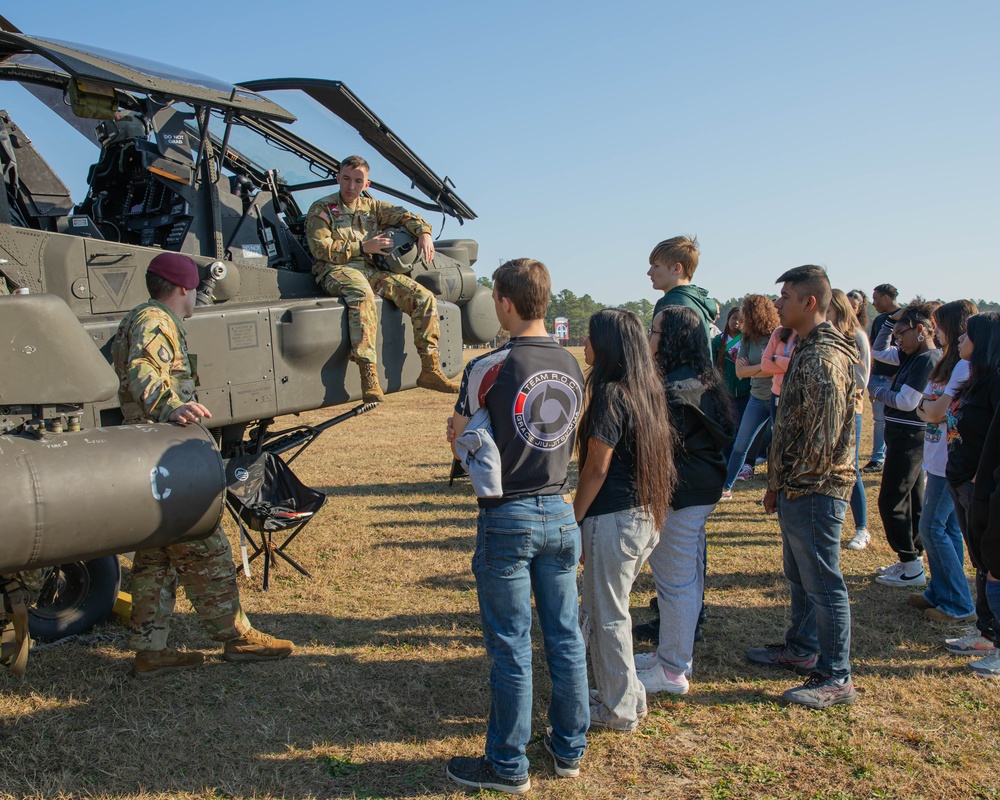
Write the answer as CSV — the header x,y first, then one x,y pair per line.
x,y
149,67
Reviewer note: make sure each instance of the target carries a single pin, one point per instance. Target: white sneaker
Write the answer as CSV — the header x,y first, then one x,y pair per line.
x,y
987,667
972,644
860,540
745,473
907,576
891,569
657,679
644,660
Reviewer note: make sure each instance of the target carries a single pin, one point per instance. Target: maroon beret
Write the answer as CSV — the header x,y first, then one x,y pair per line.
x,y
177,268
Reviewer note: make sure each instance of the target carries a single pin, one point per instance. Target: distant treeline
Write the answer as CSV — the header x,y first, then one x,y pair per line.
x,y
578,309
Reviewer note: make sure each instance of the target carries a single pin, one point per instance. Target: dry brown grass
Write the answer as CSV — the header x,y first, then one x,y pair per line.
x,y
390,677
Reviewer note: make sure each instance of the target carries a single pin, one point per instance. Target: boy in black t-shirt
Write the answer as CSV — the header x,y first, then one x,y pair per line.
x,y
528,540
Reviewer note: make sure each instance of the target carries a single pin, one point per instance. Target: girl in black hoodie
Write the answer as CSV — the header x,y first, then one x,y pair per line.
x,y
703,421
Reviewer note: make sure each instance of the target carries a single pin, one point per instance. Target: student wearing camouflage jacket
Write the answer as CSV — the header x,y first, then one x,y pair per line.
x,y
811,472
157,379
345,231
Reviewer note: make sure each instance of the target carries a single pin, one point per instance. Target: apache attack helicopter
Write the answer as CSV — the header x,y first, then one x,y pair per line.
x,y
187,163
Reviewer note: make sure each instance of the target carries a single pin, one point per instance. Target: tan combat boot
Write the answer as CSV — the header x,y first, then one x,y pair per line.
x,y
371,392
256,646
159,662
431,376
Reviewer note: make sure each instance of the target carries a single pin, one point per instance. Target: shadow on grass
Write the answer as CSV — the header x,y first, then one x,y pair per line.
x,y
458,582
436,522
422,489
318,724
464,543
402,630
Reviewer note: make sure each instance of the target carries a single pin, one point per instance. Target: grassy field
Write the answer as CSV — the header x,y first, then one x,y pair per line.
x,y
390,677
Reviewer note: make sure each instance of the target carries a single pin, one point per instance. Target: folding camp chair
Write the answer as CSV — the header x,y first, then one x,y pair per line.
x,y
265,497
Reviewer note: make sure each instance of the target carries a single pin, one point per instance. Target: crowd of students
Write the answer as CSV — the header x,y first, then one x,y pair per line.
x,y
669,420
931,374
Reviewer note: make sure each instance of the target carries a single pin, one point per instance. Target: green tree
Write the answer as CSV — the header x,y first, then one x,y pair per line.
x,y
643,309
577,310
484,281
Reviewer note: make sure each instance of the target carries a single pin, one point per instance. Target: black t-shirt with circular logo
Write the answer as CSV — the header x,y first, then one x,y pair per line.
x,y
610,423
533,389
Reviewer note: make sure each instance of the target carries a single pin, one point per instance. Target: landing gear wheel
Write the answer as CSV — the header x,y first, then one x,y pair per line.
x,y
76,597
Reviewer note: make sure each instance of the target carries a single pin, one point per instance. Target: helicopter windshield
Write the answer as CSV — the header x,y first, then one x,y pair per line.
x,y
326,132
336,120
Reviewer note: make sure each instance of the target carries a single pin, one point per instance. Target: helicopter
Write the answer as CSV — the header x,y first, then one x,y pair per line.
x,y
225,174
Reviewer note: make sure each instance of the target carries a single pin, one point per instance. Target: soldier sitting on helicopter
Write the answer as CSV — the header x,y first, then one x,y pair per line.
x,y
344,231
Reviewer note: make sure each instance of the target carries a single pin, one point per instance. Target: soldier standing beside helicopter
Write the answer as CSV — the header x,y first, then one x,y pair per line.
x,y
157,379
344,233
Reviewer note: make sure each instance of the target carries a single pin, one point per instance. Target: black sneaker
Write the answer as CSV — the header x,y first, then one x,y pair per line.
x,y
647,631
872,466
479,774
563,768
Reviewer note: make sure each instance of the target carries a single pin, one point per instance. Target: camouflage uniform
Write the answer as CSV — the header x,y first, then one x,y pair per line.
x,y
335,233
157,375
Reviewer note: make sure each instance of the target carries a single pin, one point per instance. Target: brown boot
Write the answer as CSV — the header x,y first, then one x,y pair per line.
x,y
256,646
371,392
159,662
431,376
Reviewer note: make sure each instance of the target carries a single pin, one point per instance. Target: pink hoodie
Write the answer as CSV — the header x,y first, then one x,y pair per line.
x,y
775,359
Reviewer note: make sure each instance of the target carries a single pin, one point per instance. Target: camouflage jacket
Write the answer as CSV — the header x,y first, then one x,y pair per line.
x,y
813,445
156,374
335,232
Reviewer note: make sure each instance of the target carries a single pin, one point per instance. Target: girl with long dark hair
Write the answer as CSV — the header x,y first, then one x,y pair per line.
x,y
969,418
947,597
759,320
626,481
901,495
841,316
702,418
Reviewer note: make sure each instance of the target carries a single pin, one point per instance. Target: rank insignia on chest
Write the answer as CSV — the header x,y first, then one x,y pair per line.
x,y
164,354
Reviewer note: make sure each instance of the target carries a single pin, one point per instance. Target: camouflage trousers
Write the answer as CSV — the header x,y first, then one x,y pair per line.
x,y
205,568
359,285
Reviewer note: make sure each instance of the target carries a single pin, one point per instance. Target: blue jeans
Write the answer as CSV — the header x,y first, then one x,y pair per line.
x,y
821,613
678,565
942,538
531,544
756,416
878,412
859,503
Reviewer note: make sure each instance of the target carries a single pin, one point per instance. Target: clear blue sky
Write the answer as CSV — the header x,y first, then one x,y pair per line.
x,y
862,136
